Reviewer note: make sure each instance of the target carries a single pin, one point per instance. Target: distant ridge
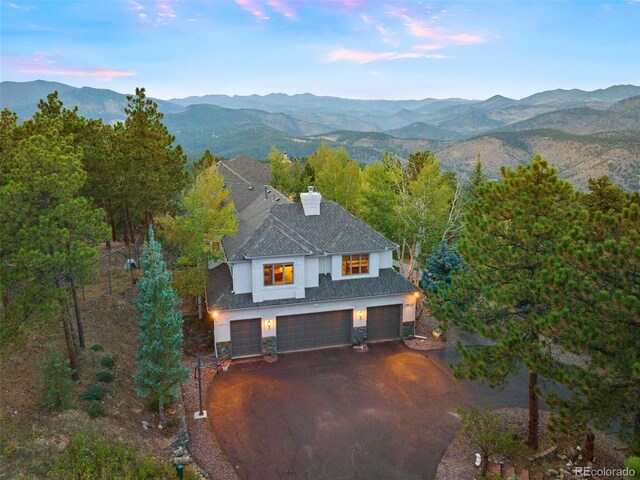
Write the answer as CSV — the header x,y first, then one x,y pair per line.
x,y
584,133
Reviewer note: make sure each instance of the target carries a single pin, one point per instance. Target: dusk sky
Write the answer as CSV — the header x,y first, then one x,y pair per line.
x,y
348,48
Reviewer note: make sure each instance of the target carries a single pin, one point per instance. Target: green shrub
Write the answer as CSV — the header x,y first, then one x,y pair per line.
x,y
173,422
633,463
95,409
96,347
104,376
108,361
484,430
93,392
153,403
55,383
90,455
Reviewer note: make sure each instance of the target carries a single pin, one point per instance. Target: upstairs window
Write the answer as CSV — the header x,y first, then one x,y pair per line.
x,y
355,264
278,274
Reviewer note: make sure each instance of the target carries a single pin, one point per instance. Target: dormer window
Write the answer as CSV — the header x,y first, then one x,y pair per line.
x,y
278,274
355,264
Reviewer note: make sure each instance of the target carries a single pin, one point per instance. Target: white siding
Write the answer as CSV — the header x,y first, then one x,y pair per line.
x,y
241,277
386,259
336,267
311,276
223,331
276,292
324,264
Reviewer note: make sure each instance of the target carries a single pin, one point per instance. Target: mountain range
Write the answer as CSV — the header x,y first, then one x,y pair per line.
x,y
584,133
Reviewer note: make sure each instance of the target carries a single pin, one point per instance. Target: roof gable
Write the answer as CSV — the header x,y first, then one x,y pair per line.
x,y
271,225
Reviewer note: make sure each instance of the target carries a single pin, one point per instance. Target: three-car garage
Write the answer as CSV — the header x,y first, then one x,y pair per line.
x,y
315,330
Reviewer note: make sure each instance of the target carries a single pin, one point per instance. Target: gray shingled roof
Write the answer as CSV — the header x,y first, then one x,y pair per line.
x,y
275,226
389,282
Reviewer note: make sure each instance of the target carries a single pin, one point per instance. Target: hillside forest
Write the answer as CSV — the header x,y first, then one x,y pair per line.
x,y
525,260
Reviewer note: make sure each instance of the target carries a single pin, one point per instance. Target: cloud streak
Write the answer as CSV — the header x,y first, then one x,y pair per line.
x,y
254,8
359,56
437,36
103,73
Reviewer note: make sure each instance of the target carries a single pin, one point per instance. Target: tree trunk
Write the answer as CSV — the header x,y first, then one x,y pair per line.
x,y
126,230
114,232
588,451
161,408
484,466
635,442
68,336
199,307
76,306
532,439
67,314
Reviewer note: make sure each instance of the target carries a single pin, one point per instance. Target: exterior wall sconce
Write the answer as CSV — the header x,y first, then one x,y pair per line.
x,y
214,314
416,294
360,314
269,324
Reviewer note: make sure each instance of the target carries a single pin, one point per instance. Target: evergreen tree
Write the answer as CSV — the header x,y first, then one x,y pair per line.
x,y
444,262
206,160
55,383
509,241
159,358
603,195
48,232
596,293
151,169
475,179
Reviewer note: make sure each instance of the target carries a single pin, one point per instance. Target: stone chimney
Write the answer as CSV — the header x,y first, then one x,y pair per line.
x,y
311,201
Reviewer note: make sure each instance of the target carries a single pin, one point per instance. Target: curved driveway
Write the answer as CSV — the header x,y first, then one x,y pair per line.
x,y
338,414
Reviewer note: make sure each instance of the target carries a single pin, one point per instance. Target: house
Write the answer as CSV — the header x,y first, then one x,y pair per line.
x,y
299,276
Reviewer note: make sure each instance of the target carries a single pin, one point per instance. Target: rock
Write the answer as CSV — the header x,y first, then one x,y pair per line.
x,y
178,452
159,426
62,443
551,472
562,457
578,449
184,460
145,425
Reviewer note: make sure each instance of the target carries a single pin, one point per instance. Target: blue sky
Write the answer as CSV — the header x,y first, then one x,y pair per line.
x,y
348,48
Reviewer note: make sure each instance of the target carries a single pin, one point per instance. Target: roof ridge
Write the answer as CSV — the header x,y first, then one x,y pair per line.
x,y
236,173
369,227
309,244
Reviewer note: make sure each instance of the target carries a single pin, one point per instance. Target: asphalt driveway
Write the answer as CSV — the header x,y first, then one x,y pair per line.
x,y
339,414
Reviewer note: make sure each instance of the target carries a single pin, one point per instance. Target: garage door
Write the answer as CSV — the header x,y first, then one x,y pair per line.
x,y
314,330
246,336
383,323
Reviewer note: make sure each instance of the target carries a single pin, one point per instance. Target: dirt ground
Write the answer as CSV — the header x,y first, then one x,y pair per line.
x,y
32,438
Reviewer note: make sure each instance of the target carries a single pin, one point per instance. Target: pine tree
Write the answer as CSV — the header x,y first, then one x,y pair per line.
x,y
444,262
151,169
509,241
596,292
159,358
48,232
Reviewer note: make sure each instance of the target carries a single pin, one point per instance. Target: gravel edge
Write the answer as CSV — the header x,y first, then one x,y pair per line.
x,y
203,444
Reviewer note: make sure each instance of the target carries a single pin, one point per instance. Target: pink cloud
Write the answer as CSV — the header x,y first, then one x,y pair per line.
x,y
254,8
97,72
283,9
418,28
427,47
437,56
358,56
